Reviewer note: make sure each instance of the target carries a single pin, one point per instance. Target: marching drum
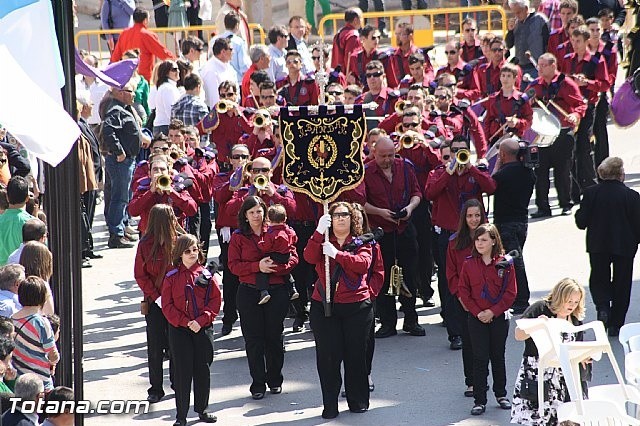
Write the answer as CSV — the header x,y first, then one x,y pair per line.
x,y
625,106
544,130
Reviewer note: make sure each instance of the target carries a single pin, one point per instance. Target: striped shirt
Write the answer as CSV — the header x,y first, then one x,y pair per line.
x,y
34,340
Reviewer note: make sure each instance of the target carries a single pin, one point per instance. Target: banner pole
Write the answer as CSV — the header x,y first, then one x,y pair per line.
x,y
327,272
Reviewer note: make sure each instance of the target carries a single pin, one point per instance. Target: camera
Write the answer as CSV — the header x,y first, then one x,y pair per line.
x,y
529,155
204,279
400,214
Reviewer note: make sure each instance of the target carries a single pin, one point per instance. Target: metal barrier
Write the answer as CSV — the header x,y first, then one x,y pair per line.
x,y
96,44
425,22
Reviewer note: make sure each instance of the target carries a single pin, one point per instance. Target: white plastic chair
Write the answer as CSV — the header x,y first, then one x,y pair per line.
x,y
626,332
634,343
632,368
593,413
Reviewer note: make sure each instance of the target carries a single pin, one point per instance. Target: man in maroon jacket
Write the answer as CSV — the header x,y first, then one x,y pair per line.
x,y
347,40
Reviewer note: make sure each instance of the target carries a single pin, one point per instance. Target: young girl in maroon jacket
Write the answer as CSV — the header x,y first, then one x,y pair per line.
x,y
487,289
459,249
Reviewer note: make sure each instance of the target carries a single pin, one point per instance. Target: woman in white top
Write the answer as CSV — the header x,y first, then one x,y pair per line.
x,y
167,95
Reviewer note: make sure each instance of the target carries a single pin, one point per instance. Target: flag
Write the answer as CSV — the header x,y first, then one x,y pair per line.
x,y
116,74
31,76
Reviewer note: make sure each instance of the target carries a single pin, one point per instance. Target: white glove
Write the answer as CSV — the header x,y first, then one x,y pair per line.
x,y
225,232
329,249
159,302
324,223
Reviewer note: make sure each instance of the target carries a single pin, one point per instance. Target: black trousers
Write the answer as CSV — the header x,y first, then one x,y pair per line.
x,y
379,7
193,355
583,171
161,14
404,248
371,344
420,4
611,292
453,317
558,158
230,285
200,225
514,235
488,341
601,147
262,331
304,274
421,219
467,349
342,338
157,342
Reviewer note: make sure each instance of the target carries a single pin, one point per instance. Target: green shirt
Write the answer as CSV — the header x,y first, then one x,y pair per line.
x,y
11,222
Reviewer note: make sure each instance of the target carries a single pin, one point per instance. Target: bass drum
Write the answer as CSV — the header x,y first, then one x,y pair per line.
x,y
544,130
625,106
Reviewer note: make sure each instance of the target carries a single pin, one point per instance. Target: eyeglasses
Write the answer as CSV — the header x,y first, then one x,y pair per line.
x,y
161,148
228,95
315,58
230,49
340,214
375,38
239,156
469,30
412,125
497,49
450,52
337,93
293,61
442,97
375,74
446,157
191,250
256,170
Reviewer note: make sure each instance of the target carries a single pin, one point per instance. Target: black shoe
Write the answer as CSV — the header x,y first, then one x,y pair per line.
x,y
429,303
456,343
257,395
276,390
385,331
358,409
504,403
116,242
478,409
469,392
92,255
154,398
613,331
326,414
566,211
86,263
298,325
537,215
226,329
518,309
264,297
180,423
414,330
207,417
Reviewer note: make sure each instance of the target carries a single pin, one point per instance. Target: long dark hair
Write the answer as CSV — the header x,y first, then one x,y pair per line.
x,y
488,228
163,72
164,228
463,234
365,219
249,203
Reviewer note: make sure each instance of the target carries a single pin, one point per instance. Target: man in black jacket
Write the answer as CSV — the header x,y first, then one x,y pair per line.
x,y
29,388
515,184
18,165
610,212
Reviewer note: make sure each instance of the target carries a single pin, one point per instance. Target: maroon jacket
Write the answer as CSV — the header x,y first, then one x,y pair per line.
x,y
376,271
346,41
149,271
352,286
568,96
499,108
487,79
475,274
178,301
386,100
595,69
398,66
143,200
228,132
455,260
245,255
222,195
457,123
556,38
278,239
469,53
281,195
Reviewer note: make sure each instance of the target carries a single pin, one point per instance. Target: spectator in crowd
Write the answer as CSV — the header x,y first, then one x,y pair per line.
x,y
38,261
420,4
29,388
95,88
240,60
36,350
190,108
13,219
139,37
278,36
32,230
260,60
116,14
610,212
142,89
237,7
297,28
121,140
7,372
551,9
6,327
61,396
166,96
10,278
379,7
191,49
217,70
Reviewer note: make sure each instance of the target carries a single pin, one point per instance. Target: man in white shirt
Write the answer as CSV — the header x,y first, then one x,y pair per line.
x,y
278,38
240,60
297,29
96,89
10,278
217,70
235,6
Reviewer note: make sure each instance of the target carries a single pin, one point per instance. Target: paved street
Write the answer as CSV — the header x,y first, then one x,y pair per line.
x,y
418,379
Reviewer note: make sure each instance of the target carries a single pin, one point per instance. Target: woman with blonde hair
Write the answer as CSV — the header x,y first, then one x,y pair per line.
x,y
565,301
38,260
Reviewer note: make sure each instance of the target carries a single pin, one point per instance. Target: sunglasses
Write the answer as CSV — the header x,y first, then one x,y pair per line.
x,y
315,58
335,93
413,125
228,95
469,30
239,156
163,148
450,52
256,170
191,250
375,38
497,49
446,157
340,214
126,90
293,61
442,97
375,74
451,85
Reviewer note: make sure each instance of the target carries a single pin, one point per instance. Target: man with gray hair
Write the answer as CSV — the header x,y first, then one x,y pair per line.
x,y
528,32
260,60
28,388
10,278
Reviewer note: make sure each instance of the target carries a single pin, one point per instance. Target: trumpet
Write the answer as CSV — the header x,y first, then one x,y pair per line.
x,y
407,140
163,182
397,287
328,99
463,156
261,182
225,106
176,153
401,105
261,118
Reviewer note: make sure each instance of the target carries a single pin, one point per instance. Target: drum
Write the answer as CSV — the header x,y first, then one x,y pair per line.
x,y
544,130
625,106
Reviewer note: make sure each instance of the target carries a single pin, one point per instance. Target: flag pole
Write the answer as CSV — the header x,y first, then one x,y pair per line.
x,y
62,204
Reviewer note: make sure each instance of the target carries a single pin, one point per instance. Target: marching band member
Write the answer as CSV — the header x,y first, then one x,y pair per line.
x,y
485,45
225,184
590,74
392,196
568,9
449,186
335,75
487,291
552,85
252,99
566,47
488,76
471,47
415,105
342,337
347,39
358,60
398,64
417,73
507,107
464,72
378,92
268,95
297,89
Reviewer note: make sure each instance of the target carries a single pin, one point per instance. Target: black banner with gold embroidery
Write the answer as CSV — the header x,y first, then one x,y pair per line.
x,y
323,153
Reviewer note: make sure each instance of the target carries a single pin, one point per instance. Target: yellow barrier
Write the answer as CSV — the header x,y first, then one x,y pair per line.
x,y
166,35
424,21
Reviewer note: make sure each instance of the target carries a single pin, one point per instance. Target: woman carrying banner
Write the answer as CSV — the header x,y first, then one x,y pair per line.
x,y
262,325
343,336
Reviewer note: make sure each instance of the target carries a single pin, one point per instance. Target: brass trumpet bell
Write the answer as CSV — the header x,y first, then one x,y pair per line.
x,y
463,156
261,118
261,182
397,287
401,105
407,141
163,182
224,106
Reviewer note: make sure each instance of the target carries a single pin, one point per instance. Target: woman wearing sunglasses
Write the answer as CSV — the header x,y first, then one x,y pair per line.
x,y
343,337
190,302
